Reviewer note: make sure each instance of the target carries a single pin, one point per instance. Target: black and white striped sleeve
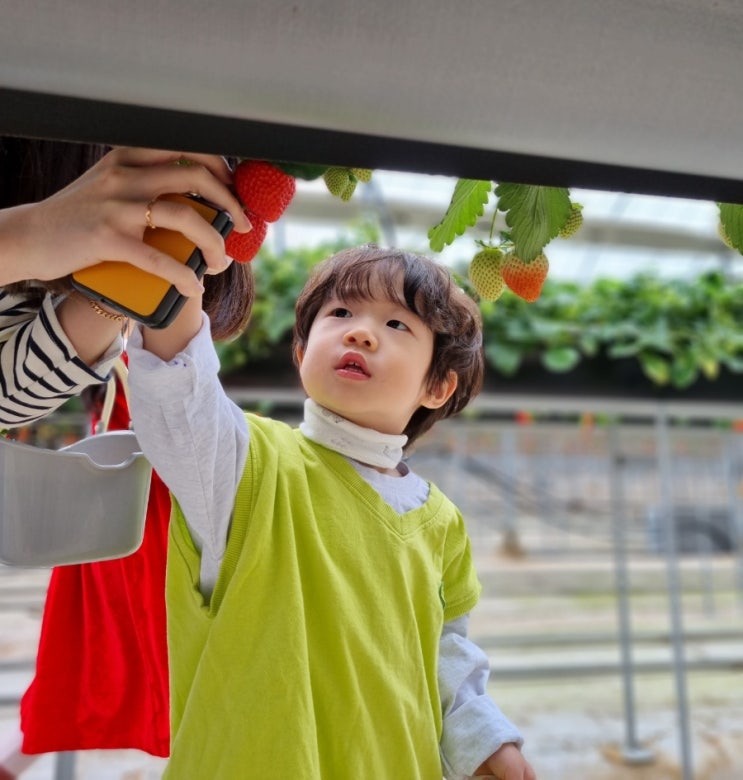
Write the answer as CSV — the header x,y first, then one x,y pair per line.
x,y
39,367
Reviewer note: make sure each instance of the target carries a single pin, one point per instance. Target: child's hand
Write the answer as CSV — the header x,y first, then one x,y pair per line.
x,y
507,763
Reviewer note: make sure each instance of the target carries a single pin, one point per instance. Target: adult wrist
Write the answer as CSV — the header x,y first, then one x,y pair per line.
x,y
104,311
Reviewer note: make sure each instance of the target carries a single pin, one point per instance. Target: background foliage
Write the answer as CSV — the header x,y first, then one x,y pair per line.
x,y
677,330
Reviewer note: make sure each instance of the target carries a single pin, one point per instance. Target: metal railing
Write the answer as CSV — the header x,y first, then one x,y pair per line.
x,y
580,478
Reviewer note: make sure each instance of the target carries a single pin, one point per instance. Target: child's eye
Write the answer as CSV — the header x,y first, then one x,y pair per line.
x,y
397,325
339,311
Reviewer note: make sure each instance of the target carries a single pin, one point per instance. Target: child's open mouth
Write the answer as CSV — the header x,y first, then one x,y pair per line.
x,y
352,366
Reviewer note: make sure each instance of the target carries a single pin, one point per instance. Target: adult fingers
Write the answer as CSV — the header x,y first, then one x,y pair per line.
x,y
139,157
159,263
183,219
149,182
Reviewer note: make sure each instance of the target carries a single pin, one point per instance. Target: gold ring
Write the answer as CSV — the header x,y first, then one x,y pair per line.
x,y
148,214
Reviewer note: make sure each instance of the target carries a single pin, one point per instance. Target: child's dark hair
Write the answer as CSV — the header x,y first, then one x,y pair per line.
x,y
429,291
34,169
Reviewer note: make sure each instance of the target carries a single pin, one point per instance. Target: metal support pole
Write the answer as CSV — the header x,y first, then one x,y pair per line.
x,y
704,550
64,767
510,471
632,751
732,477
665,469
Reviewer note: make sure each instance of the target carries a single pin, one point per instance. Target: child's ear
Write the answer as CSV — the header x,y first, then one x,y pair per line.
x,y
437,397
299,355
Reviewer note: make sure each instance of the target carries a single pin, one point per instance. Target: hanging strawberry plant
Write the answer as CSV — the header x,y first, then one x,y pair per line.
x,y
512,259
515,259
266,188
677,331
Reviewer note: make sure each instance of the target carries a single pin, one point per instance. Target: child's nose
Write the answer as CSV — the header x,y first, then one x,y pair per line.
x,y
360,336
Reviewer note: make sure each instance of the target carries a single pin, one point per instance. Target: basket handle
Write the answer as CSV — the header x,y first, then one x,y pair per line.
x,y
121,372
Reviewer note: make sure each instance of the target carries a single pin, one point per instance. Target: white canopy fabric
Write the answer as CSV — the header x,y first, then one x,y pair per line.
x,y
638,95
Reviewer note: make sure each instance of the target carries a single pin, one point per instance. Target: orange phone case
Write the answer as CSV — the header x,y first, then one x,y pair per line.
x,y
139,294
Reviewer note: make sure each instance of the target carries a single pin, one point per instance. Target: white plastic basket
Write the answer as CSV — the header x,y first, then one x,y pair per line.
x,y
86,502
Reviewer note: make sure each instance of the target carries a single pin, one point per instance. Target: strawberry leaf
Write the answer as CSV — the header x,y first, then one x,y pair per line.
x,y
534,214
655,368
306,171
467,204
731,219
560,359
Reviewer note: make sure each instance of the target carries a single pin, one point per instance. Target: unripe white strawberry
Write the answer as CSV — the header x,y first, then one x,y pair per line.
x,y
336,180
724,235
362,174
349,190
573,223
485,273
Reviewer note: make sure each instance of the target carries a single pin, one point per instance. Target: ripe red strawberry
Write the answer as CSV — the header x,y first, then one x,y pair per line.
x,y
243,247
525,279
263,188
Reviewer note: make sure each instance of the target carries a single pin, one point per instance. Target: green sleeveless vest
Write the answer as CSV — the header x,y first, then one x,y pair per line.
x,y
317,656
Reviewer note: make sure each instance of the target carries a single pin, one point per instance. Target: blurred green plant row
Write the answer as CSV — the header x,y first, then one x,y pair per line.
x,y
678,330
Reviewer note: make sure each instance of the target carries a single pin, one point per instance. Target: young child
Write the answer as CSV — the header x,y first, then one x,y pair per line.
x,y
317,589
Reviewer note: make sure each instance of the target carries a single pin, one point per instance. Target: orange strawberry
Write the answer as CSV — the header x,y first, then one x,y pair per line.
x,y
263,189
525,279
243,247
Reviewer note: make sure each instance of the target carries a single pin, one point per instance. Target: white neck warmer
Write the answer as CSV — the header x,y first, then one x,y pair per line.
x,y
383,450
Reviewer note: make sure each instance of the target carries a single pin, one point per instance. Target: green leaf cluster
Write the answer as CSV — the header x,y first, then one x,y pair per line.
x,y
467,204
731,225
678,330
534,214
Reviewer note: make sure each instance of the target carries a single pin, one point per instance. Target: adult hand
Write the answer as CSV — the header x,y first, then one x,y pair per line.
x,y
102,216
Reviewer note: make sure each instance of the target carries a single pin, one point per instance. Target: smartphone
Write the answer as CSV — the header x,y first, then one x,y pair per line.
x,y
143,296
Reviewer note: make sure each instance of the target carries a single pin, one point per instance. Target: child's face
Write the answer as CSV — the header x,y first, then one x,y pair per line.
x,y
367,360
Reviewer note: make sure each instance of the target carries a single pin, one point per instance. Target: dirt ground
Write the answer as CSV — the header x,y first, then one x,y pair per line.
x,y
580,726
574,731
576,726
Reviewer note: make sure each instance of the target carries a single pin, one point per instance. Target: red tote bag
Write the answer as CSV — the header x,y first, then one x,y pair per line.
x,y
101,677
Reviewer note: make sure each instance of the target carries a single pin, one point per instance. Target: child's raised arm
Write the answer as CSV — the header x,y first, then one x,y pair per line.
x,y
166,343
